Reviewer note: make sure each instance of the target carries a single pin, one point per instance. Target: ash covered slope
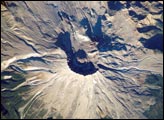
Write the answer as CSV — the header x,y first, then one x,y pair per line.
x,y
81,59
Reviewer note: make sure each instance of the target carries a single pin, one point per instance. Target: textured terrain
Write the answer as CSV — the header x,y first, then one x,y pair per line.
x,y
82,59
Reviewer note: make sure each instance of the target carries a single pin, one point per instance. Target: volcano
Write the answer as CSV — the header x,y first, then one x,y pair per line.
x,y
82,60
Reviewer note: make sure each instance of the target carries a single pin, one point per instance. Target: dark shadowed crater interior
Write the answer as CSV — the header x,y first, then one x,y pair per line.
x,y
77,60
